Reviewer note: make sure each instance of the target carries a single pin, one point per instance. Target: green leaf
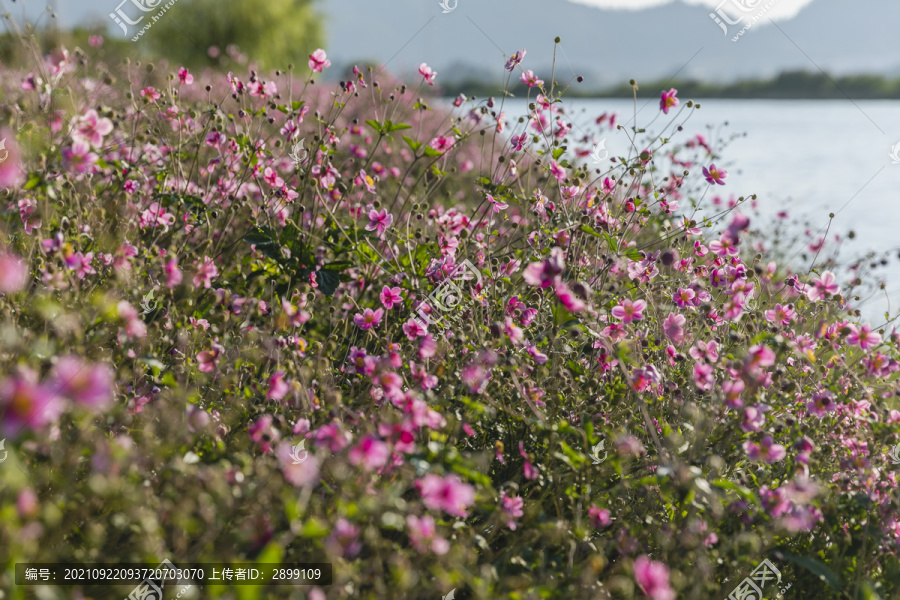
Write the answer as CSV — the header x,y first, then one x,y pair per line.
x,y
557,152
328,282
815,567
590,230
314,528
297,104
392,127
374,125
432,153
475,476
412,143
33,180
264,240
730,485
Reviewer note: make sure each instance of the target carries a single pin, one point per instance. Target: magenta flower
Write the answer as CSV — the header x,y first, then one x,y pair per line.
x,y
448,493
653,579
423,535
379,221
518,141
515,59
442,144
368,318
366,181
205,273
767,450
427,73
278,387
824,286
714,175
668,100
318,60
185,77
91,129
95,41
568,298
863,337
371,453
512,507
628,311
173,273
26,403
530,79
13,274
90,385
26,213
209,359
599,517
134,327
390,297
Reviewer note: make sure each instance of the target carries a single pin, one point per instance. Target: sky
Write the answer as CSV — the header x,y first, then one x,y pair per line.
x,y
606,41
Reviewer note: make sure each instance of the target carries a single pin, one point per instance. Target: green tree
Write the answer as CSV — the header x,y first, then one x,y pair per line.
x,y
273,32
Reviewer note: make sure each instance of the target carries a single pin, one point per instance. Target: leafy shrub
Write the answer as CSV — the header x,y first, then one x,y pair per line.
x,y
622,401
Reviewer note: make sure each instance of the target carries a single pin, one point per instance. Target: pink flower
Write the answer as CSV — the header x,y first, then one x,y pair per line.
x,y
628,311
371,453
26,403
366,181
205,272
512,507
599,516
78,157
318,60
515,59
863,337
518,141
714,175
390,297
134,327
303,474
13,273
546,273
379,221
442,144
674,328
568,298
427,73
150,94
278,387
497,205
12,172
95,41
368,318
26,213
824,286
423,535
185,77
413,329
173,273
344,539
767,450
653,579
88,384
448,493
209,359
91,129
529,78
668,100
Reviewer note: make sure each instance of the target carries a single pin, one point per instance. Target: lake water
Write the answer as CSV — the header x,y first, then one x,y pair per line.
x,y
806,157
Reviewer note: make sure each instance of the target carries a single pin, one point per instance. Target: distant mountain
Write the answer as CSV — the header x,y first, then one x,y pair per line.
x,y
611,46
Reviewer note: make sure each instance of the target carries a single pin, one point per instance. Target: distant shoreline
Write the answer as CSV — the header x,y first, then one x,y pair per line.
x,y
799,85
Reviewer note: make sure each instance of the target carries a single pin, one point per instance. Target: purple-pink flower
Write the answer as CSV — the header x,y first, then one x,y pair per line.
x,y
371,453
714,175
427,73
390,296
379,221
628,311
668,100
90,385
512,509
318,60
767,450
515,59
368,318
24,402
13,274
